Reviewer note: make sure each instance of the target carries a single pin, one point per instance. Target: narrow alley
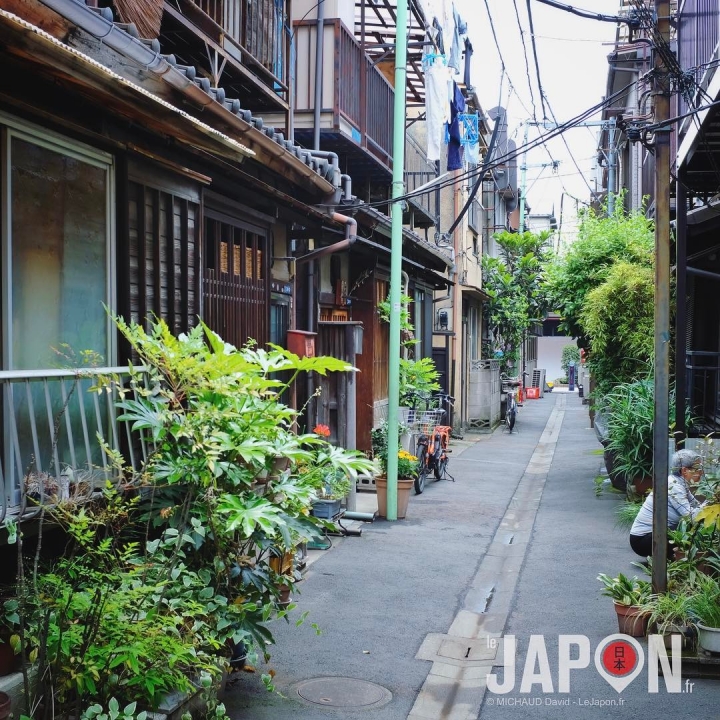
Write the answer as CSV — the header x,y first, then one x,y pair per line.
x,y
411,609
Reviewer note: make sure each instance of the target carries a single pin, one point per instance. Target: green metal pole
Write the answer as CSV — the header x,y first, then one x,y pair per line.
x,y
396,257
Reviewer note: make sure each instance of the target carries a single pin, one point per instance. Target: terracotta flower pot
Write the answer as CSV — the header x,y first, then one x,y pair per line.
x,y
403,495
631,620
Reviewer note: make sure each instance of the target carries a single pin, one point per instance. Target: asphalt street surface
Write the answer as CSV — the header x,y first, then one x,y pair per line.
x,y
397,606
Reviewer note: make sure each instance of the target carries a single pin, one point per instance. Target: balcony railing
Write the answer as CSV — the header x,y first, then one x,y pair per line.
x,y
698,34
256,28
56,432
361,97
418,171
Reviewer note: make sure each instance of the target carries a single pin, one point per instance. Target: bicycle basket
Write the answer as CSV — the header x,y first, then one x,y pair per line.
x,y
426,420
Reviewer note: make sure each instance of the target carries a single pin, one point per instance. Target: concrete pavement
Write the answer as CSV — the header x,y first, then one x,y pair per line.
x,y
411,613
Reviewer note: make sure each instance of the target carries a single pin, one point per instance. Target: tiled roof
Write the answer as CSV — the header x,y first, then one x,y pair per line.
x,y
321,166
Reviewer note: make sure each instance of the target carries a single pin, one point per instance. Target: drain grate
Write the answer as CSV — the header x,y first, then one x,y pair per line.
x,y
343,692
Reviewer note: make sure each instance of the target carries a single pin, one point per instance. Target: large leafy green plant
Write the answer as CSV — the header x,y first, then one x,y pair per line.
x,y
217,422
172,569
418,380
618,321
570,353
629,409
584,265
514,282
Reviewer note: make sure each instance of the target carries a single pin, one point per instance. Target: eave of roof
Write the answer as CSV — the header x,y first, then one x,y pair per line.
x,y
49,51
383,225
272,149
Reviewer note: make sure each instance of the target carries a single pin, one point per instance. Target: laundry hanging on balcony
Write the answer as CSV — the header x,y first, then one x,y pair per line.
x,y
470,137
437,105
459,29
455,147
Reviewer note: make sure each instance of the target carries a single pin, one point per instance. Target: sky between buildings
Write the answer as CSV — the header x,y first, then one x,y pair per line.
x,y
572,58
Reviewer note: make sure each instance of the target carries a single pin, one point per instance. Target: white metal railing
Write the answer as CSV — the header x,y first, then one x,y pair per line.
x,y
56,428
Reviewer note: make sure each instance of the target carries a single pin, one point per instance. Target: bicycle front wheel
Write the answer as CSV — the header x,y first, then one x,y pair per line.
x,y
510,419
421,471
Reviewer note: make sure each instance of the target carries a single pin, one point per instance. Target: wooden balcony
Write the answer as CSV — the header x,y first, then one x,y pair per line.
x,y
357,99
356,119
241,46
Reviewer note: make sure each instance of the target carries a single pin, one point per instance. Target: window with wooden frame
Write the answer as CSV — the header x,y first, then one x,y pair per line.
x,y
236,296
163,256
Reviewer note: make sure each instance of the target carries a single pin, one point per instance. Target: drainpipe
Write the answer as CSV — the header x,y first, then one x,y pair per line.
x,y
320,31
333,160
310,258
350,238
406,291
291,86
346,181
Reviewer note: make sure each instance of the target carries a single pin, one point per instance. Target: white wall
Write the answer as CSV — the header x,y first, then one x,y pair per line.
x,y
550,355
343,9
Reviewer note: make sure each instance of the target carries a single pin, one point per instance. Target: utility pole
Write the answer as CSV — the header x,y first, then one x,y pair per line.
x,y
662,304
612,169
396,256
608,124
523,186
523,180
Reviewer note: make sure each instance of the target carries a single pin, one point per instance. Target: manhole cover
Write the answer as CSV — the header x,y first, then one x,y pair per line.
x,y
342,692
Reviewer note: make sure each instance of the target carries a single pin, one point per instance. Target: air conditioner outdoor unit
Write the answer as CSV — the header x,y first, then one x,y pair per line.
x,y
538,380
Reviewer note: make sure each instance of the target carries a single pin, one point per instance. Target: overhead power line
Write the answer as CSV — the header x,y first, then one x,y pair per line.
x,y
590,15
499,161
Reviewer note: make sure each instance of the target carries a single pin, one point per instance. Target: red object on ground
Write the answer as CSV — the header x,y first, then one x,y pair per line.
x,y
532,393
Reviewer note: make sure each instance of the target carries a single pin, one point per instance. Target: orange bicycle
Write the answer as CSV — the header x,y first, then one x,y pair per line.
x,y
432,448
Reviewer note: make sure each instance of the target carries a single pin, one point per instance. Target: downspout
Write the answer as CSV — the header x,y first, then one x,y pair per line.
x,y
346,181
320,32
350,238
406,291
310,258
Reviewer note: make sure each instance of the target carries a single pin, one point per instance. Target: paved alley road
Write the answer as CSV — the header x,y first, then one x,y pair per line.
x,y
414,609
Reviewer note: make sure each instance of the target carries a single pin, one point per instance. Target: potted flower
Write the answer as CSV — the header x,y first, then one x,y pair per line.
x,y
407,468
628,595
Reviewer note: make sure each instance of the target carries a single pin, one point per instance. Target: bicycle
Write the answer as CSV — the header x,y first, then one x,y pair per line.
x,y
509,387
432,448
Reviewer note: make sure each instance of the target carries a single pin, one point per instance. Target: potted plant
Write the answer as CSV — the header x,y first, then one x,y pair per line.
x,y
335,486
407,468
669,614
628,595
418,380
705,607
